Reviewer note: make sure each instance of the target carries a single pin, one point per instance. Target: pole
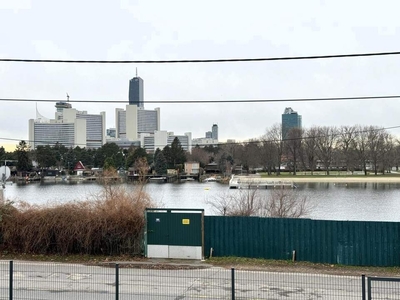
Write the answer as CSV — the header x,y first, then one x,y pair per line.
x,y
363,287
233,283
116,281
11,281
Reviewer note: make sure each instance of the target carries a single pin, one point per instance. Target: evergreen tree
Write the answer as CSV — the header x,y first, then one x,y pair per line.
x,y
109,164
178,156
45,156
2,153
160,164
135,154
24,162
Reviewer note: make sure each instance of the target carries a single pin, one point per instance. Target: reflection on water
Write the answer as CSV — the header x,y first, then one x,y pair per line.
x,y
333,201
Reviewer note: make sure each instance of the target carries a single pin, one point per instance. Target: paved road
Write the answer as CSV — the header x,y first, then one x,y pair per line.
x,y
34,280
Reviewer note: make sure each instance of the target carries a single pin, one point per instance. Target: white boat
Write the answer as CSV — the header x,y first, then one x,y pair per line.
x,y
157,179
210,179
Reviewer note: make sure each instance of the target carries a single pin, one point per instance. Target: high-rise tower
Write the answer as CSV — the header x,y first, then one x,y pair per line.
x,y
290,119
136,91
214,131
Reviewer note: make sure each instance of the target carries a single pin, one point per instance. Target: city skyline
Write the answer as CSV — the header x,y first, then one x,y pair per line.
x,y
158,31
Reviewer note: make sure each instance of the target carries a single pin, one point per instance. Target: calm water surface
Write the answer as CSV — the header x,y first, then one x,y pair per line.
x,y
331,201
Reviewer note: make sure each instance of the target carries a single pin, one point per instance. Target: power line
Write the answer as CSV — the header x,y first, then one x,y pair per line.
x,y
218,60
379,97
254,141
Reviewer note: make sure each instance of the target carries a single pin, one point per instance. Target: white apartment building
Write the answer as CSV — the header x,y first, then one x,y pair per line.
x,y
70,128
134,122
204,142
160,139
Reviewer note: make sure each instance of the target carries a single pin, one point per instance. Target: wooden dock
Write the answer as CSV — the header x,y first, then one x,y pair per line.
x,y
247,182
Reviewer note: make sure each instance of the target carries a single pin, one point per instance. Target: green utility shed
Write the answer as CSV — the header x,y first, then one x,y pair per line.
x,y
174,233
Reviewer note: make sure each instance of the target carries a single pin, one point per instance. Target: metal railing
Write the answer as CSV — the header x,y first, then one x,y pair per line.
x,y
38,280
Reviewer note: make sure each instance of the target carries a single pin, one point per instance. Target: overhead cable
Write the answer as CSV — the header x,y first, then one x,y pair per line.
x,y
218,60
379,97
251,141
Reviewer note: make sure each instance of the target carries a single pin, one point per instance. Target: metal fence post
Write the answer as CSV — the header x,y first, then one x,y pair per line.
x,y
116,282
233,283
369,288
363,287
11,280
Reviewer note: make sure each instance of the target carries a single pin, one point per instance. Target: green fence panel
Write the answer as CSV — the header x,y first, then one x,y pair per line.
x,y
321,241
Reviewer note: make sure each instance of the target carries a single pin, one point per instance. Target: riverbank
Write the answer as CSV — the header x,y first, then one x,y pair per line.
x,y
335,176
346,179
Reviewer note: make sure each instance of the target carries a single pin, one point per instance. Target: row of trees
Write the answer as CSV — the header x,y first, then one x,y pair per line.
x,y
348,148
109,155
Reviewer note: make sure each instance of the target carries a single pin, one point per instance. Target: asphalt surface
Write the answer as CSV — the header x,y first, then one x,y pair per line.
x,y
162,279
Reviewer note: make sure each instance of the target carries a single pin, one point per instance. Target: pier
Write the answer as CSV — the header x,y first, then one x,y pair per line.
x,y
247,182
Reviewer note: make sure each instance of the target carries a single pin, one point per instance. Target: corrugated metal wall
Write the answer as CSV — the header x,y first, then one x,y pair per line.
x,y
337,242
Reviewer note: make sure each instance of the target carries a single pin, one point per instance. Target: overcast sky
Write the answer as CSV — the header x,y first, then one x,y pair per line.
x,y
169,30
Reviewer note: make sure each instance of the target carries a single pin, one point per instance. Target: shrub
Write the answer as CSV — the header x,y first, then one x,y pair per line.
x,y
111,224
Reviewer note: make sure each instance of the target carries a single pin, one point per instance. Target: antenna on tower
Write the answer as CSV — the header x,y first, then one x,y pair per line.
x,y
136,72
67,97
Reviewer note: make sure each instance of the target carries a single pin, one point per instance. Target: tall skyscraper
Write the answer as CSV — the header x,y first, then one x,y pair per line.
x,y
214,131
290,119
136,91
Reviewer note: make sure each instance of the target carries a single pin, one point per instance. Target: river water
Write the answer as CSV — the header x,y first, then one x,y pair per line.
x,y
330,201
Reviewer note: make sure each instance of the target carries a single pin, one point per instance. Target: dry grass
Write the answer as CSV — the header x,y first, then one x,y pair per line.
x,y
112,224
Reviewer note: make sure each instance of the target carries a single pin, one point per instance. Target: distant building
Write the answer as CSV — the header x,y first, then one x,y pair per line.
x,y
162,138
210,139
133,122
290,119
192,167
214,131
202,142
70,128
123,143
185,140
111,133
136,91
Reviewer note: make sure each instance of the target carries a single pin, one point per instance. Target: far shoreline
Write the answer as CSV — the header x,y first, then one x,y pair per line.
x,y
346,179
335,177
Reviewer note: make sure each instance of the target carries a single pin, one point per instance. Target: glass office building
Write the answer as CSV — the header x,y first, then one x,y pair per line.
x,y
290,119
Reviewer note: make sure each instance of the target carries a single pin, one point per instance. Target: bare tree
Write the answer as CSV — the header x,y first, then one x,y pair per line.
x,y
361,147
326,142
199,155
310,148
242,203
252,153
284,203
280,203
396,160
375,144
345,142
293,145
388,152
268,154
274,135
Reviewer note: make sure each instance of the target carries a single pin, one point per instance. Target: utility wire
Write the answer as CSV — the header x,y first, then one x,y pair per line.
x,y
219,60
251,141
379,97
